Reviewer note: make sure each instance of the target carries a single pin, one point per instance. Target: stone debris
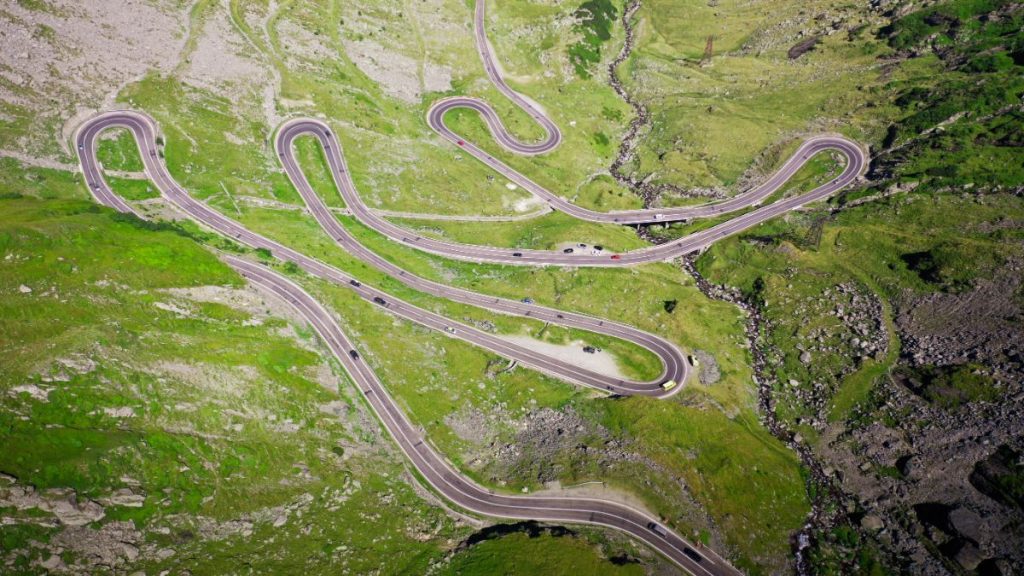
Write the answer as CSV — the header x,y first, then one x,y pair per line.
x,y
63,503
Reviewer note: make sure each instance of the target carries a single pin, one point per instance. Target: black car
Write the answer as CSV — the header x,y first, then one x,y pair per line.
x,y
517,254
567,251
380,301
598,247
355,283
353,354
692,555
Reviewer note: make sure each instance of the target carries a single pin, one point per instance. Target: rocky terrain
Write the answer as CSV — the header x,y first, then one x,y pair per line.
x,y
981,325
64,59
892,374
912,475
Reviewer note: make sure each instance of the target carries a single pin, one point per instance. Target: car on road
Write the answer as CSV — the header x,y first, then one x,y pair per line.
x,y
692,554
517,254
616,257
353,354
669,385
449,329
657,529
380,301
527,300
355,283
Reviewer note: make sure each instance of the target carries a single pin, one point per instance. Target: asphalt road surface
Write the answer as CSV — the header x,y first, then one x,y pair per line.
x,y
854,156
425,458
441,475
447,480
143,128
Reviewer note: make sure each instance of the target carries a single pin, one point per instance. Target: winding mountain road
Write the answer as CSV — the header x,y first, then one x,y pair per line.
x,y
854,156
143,128
452,484
434,468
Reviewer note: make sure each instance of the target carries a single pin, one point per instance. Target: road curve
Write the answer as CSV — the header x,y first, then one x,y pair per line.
x,y
427,461
442,476
448,481
143,128
853,154
475,253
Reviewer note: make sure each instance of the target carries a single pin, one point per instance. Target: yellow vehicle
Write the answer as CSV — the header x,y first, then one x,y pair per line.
x,y
669,385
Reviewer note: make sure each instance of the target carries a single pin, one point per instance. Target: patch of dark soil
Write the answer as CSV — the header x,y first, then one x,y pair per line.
x,y
623,559
1001,477
803,47
935,514
994,567
903,464
948,386
531,528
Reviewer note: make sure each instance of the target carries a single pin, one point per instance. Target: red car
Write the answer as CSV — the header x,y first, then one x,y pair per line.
x,y
461,142
616,257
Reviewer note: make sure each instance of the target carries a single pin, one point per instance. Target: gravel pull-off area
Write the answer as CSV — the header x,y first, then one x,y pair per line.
x,y
708,371
600,362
